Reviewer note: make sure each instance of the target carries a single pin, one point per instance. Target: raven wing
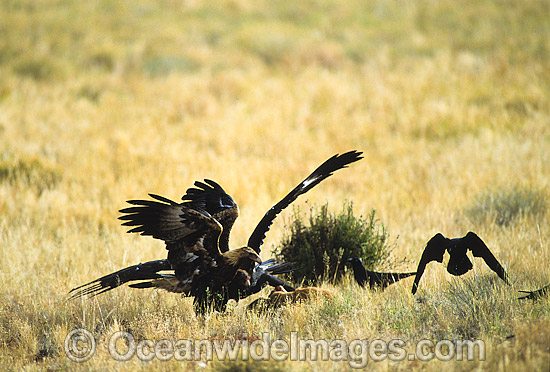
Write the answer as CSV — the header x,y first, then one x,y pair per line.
x,y
435,248
325,170
270,267
272,280
375,279
479,249
537,294
265,272
382,280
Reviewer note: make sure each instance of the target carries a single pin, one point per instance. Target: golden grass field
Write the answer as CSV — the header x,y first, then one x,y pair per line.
x,y
105,101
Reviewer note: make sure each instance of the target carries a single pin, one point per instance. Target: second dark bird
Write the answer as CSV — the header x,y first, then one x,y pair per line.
x,y
459,263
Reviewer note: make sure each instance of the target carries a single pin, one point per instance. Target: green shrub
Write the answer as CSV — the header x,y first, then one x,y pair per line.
x,y
319,251
503,205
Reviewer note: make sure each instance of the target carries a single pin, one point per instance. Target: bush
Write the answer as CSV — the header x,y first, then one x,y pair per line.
x,y
319,251
503,205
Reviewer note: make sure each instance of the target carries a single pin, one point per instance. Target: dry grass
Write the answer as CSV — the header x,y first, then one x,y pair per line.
x,y
104,101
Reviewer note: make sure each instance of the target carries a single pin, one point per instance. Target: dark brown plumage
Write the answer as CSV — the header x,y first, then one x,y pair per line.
x,y
459,263
192,237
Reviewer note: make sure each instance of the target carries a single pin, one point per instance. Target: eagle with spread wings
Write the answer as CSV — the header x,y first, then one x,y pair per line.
x,y
196,232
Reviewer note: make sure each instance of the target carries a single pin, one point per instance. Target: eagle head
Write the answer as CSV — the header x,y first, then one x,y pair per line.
x,y
242,257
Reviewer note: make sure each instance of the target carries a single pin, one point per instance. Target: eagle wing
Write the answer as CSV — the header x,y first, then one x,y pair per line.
x,y
143,271
210,197
185,230
435,248
325,170
479,249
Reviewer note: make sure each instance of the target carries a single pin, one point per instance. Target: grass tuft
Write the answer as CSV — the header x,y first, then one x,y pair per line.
x,y
165,65
504,205
477,305
33,172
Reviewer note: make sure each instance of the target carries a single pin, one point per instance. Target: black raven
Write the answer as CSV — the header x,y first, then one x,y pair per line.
x,y
373,278
535,295
459,263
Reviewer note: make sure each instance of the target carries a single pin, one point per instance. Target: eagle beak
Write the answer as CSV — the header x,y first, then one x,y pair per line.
x,y
257,259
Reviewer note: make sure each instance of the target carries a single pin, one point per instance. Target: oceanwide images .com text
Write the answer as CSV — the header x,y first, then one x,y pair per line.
x,y
80,346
